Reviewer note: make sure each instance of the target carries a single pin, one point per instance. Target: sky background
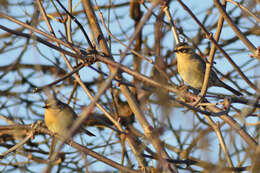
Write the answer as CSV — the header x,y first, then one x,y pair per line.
x,y
179,118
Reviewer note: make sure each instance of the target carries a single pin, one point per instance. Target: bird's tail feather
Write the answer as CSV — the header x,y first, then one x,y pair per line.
x,y
231,89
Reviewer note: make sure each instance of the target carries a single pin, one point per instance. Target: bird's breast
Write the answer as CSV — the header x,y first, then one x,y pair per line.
x,y
57,121
191,71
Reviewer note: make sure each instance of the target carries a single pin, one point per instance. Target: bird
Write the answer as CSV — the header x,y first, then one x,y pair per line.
x,y
192,67
59,117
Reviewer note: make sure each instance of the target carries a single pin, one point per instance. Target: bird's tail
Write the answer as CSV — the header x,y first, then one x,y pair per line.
x,y
231,89
87,132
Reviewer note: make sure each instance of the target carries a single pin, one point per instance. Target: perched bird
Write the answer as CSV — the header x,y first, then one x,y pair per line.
x,y
59,117
192,67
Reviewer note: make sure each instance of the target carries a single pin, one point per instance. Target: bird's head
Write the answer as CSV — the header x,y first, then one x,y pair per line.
x,y
183,48
52,103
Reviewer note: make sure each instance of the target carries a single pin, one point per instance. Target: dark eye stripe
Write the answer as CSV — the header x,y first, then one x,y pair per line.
x,y
183,50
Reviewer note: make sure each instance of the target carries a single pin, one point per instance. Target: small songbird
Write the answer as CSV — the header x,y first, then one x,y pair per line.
x,y
59,117
192,67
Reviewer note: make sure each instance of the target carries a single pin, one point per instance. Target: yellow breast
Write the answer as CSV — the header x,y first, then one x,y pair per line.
x,y
57,121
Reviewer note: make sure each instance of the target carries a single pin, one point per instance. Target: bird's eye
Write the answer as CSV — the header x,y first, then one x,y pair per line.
x,y
46,106
60,105
184,50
